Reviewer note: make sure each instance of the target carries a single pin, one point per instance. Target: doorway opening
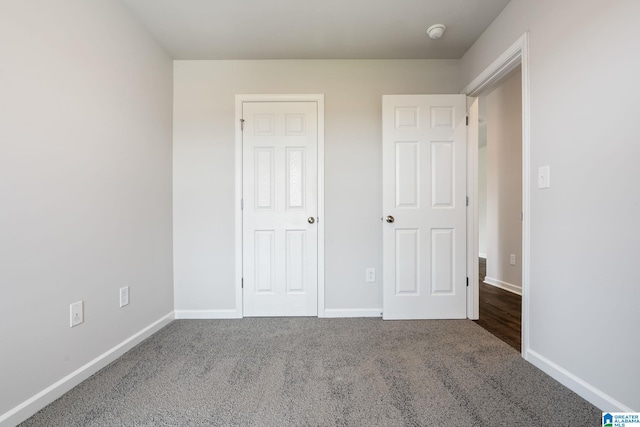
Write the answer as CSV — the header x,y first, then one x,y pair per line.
x,y
513,59
500,208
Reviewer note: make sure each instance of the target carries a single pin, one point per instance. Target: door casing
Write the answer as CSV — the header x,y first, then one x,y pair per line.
x,y
240,99
516,54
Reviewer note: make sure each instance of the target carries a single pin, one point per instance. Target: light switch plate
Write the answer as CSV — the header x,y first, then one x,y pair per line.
x,y
544,177
124,296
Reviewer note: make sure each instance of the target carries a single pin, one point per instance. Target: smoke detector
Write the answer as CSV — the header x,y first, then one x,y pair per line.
x,y
436,31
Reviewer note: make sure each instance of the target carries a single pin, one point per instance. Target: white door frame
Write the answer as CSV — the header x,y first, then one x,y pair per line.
x,y
240,99
516,54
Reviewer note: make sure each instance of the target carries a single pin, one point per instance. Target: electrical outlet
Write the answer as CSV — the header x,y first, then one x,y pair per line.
x,y
371,275
124,296
77,313
513,259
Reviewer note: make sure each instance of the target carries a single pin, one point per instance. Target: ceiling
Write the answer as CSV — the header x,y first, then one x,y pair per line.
x,y
321,29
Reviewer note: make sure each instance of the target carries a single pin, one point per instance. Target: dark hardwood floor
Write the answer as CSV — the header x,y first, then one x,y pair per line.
x,y
500,311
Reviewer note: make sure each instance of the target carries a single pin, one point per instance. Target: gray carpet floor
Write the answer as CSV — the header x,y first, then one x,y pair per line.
x,y
320,372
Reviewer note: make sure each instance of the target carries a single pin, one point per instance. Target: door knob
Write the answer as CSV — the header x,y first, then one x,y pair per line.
x,y
311,220
389,219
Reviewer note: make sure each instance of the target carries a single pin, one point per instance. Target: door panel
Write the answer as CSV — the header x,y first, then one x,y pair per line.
x,y
442,174
295,261
264,261
407,261
407,176
424,189
264,177
295,177
442,249
280,181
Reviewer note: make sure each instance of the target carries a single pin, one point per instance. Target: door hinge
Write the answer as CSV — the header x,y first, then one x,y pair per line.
x,y
467,120
241,204
467,200
242,283
242,124
467,282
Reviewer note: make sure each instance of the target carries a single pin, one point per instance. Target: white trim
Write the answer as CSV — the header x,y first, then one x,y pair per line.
x,y
499,68
526,190
208,314
583,389
473,238
353,312
516,54
321,217
32,405
516,289
319,99
481,255
237,205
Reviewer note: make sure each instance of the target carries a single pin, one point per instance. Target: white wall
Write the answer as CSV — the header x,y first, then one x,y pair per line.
x,y
585,237
85,184
504,183
204,167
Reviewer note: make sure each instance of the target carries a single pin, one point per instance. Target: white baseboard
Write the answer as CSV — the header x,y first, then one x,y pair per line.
x,y
583,389
234,314
481,255
516,289
32,405
208,314
353,312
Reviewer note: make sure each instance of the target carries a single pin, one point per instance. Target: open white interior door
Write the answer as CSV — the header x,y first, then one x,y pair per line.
x,y
424,206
